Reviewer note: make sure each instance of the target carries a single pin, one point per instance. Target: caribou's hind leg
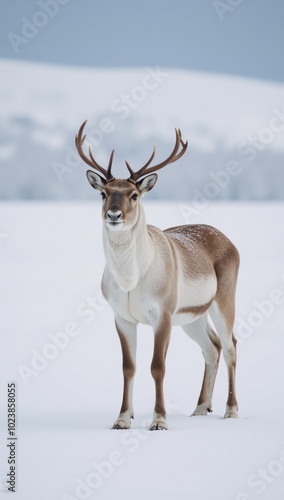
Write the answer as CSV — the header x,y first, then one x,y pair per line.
x,y
204,335
222,312
225,331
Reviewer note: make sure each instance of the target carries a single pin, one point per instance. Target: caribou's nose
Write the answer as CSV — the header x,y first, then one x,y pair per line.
x,y
114,215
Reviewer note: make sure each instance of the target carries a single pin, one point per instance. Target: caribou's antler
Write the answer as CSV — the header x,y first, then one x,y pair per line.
x,y
79,141
174,156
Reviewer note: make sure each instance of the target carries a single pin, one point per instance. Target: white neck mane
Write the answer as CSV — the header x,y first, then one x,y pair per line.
x,y
129,254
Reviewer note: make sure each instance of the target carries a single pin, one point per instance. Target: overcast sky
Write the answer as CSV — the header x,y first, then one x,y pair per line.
x,y
241,37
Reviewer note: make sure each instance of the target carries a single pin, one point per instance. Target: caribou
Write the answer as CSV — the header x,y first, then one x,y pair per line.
x,y
184,275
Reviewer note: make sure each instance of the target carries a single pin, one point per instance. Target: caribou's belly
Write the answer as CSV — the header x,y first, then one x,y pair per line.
x,y
180,319
195,297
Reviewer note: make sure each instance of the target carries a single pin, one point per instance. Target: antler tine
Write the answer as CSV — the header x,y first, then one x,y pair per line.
x,y
183,150
107,173
150,159
110,165
79,141
174,156
140,172
180,138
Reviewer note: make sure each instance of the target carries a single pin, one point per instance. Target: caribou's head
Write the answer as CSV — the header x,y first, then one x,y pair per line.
x,y
121,196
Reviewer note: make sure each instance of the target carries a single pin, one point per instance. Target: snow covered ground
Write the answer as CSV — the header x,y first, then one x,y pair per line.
x,y
60,346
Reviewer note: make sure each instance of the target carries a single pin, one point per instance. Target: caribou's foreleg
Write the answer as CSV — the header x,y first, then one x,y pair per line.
x,y
161,342
128,338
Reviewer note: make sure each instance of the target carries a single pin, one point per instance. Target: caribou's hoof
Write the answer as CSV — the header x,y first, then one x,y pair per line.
x,y
158,425
121,425
201,410
231,413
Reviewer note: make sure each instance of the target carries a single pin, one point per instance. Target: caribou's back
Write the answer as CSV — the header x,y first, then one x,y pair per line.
x,y
201,241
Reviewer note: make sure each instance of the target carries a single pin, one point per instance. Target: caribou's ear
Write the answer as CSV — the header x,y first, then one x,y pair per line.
x,y
96,181
147,183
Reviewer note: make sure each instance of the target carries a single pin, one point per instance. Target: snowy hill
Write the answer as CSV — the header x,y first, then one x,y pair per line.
x,y
224,118
69,384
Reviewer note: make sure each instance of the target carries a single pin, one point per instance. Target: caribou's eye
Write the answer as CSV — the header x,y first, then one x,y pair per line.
x,y
103,195
134,196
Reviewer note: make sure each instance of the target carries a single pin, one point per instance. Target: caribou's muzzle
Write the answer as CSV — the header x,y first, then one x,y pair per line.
x,y
114,218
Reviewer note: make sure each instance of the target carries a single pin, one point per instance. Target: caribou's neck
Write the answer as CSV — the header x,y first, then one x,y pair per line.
x,y
129,254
